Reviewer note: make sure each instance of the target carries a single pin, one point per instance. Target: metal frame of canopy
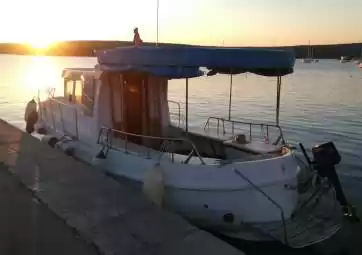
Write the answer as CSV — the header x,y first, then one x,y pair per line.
x,y
277,109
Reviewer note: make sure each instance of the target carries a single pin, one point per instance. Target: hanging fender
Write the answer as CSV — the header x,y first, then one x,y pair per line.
x,y
30,115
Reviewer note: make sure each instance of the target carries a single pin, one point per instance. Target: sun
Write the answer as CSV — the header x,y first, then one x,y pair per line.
x,y
40,44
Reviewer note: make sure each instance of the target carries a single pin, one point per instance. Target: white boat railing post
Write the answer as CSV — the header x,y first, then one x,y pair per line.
x,y
53,118
223,127
250,133
218,126
230,94
40,110
279,83
187,106
61,118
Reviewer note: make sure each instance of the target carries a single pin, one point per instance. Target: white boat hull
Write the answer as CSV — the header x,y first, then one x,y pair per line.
x,y
211,196
210,191
217,199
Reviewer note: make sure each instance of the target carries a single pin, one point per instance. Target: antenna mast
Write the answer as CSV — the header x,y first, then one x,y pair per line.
x,y
158,7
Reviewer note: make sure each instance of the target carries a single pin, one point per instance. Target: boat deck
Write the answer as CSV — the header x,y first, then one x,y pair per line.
x,y
247,155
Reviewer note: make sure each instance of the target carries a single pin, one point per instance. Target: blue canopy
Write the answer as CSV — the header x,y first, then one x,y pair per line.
x,y
184,62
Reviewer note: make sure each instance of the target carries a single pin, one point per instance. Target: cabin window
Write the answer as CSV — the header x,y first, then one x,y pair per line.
x,y
80,92
88,94
68,90
73,91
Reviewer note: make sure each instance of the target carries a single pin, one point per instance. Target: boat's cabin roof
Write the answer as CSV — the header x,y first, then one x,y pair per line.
x,y
185,62
78,73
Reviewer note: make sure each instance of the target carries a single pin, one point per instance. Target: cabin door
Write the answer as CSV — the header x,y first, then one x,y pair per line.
x,y
133,110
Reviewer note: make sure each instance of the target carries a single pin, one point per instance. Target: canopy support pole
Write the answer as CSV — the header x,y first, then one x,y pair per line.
x,y
279,83
230,94
187,106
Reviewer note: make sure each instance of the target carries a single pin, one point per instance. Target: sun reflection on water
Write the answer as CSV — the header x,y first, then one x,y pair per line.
x,y
40,75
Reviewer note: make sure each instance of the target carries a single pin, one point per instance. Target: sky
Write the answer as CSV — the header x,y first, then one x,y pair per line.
x,y
207,22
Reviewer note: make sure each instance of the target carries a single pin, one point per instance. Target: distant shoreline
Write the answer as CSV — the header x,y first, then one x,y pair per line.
x,y
86,49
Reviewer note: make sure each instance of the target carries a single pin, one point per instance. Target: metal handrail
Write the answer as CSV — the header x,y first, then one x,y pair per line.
x,y
269,198
59,102
250,124
178,105
163,139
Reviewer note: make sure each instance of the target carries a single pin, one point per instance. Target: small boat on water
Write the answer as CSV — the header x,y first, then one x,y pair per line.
x,y
358,61
309,59
346,59
238,178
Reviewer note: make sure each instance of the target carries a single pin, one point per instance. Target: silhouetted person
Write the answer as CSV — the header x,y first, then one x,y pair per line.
x,y
136,38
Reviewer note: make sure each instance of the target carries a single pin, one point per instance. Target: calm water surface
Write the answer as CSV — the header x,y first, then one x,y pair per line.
x,y
319,101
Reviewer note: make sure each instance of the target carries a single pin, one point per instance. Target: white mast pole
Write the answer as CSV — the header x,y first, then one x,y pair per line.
x,y
230,94
158,7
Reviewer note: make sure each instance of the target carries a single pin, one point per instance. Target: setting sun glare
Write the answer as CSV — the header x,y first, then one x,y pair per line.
x,y
40,44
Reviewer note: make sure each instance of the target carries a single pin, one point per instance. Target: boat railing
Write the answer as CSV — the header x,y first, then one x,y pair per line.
x,y
166,144
237,126
280,208
175,112
58,108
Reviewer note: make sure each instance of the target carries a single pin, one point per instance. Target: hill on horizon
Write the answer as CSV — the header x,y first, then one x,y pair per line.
x,y
86,48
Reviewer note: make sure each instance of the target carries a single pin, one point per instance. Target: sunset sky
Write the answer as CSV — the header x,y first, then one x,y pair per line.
x,y
209,22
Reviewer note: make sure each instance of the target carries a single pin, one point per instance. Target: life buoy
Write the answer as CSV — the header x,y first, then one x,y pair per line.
x,y
30,116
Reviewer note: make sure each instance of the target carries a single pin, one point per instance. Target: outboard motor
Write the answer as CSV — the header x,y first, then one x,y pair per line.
x,y
326,157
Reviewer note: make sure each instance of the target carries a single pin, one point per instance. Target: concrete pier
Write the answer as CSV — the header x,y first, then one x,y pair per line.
x,y
53,204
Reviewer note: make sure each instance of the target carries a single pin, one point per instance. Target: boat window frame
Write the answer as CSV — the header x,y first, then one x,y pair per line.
x,y
71,98
91,98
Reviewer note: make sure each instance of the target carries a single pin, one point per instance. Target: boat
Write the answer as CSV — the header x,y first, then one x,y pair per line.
x,y
309,58
358,61
346,59
238,178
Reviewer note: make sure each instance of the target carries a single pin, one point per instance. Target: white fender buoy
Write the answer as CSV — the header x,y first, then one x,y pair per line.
x,y
154,185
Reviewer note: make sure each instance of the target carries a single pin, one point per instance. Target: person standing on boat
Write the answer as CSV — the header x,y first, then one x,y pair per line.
x,y
136,38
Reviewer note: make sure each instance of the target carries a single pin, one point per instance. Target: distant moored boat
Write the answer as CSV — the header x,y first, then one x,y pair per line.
x,y
345,59
309,58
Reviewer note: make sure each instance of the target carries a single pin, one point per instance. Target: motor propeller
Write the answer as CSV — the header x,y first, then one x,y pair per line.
x,y
326,157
